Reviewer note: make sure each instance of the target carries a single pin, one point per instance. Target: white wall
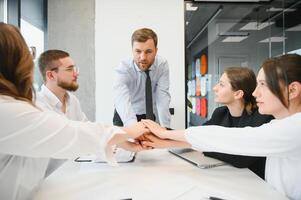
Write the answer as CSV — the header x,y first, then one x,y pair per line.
x,y
115,22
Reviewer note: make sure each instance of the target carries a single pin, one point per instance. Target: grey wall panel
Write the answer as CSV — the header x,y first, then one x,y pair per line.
x,y
71,27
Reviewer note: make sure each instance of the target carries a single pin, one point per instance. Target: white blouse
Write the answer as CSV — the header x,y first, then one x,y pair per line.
x,y
29,137
279,141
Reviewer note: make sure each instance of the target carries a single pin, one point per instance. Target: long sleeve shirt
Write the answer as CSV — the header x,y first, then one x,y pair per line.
x,y
29,137
129,91
222,117
47,100
279,141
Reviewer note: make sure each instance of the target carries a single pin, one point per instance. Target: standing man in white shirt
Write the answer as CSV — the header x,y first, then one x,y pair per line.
x,y
141,89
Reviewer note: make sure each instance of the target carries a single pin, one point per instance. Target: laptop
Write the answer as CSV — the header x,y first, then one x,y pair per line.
x,y
196,158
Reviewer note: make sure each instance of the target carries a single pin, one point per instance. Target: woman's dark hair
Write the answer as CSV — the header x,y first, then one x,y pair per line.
x,y
16,64
280,72
244,79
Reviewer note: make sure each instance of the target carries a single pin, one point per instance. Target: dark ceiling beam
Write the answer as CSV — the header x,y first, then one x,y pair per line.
x,y
215,14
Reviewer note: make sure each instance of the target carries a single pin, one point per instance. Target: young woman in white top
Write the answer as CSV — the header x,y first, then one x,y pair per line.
x,y
278,93
28,136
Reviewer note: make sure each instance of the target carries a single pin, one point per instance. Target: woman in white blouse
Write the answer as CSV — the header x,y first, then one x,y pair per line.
x,y
28,136
278,93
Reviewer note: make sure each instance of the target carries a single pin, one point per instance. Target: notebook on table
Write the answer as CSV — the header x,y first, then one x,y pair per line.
x,y
196,158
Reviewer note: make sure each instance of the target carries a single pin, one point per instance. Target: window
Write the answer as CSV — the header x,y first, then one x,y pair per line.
x,y
33,28
3,11
234,34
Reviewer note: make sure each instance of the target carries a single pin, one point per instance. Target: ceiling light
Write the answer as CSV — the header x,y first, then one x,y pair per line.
x,y
273,39
273,9
233,34
295,28
235,38
190,7
256,26
298,51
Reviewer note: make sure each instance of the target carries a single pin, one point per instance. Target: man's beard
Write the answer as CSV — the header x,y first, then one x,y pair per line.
x,y
145,67
68,86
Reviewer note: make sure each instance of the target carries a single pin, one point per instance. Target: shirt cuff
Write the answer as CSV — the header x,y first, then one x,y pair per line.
x,y
130,122
109,156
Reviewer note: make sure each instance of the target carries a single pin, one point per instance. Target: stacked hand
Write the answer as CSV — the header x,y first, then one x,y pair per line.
x,y
149,135
135,131
154,128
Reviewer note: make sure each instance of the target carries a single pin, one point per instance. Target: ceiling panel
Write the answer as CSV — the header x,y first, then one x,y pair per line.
x,y
239,14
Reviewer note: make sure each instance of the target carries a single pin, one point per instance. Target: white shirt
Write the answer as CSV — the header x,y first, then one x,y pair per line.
x,y
47,100
129,91
28,137
279,141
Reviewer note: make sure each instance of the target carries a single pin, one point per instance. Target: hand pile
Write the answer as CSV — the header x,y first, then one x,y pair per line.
x,y
148,135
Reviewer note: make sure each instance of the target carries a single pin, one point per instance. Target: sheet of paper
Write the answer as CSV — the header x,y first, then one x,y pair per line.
x,y
121,156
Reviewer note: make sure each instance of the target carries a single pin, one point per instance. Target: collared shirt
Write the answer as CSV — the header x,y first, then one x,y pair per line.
x,y
129,91
47,100
279,141
29,137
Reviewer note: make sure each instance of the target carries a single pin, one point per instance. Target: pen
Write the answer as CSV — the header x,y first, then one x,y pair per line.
x,y
207,166
79,160
216,198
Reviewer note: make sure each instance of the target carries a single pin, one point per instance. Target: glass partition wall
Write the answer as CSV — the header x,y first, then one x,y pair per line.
x,y
31,17
221,35
33,25
3,11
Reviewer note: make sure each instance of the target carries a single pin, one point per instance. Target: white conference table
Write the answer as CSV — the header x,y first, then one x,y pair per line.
x,y
155,174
